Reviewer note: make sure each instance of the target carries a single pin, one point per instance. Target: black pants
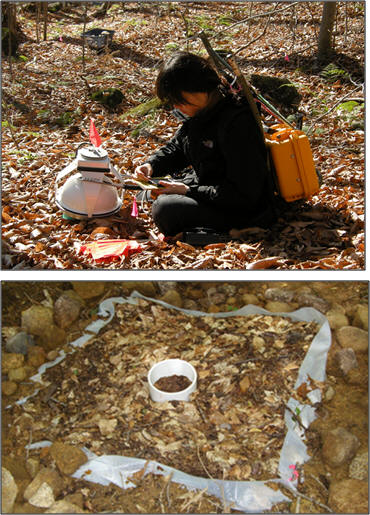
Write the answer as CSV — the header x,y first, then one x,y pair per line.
x,y
174,213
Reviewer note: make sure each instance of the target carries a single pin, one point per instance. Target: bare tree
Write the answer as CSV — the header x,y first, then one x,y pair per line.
x,y
325,43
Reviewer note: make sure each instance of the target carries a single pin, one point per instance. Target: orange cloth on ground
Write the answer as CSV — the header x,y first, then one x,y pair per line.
x,y
110,249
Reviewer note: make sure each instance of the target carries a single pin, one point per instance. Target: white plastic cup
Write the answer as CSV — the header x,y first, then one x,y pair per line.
x,y
167,368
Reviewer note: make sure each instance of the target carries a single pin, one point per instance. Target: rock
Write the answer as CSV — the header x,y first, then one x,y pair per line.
x,y
164,286
10,361
17,468
190,304
53,338
67,309
345,359
9,491
336,319
107,426
75,498
339,447
361,318
329,394
312,301
43,497
194,293
26,508
353,337
278,307
215,297
349,496
52,355
250,298
359,467
64,506
36,356
37,319
17,374
45,475
279,295
146,288
32,467
172,297
20,343
68,458
214,309
280,89
88,289
9,387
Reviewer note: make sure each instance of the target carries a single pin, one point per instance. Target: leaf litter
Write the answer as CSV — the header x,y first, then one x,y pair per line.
x,y
232,428
49,107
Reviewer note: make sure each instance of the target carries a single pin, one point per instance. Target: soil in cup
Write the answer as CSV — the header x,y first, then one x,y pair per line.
x,y
173,383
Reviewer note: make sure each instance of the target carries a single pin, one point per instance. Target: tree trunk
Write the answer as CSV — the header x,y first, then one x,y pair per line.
x,y
325,44
9,36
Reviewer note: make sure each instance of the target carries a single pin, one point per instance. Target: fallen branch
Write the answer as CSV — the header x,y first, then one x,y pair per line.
x,y
303,496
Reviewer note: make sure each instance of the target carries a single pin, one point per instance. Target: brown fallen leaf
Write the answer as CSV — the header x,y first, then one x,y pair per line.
x,y
261,264
215,246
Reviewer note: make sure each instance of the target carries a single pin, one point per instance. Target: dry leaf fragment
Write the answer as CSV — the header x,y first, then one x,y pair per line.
x,y
262,264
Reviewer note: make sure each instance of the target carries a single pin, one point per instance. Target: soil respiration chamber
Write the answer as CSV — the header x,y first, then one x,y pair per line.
x,y
89,193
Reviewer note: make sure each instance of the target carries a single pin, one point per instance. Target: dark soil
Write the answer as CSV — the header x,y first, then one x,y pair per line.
x,y
173,383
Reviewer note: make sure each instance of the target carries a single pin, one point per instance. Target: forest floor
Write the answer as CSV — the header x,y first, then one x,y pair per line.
x,y
97,396
47,107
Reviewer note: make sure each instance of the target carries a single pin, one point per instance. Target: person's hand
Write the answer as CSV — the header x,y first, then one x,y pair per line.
x,y
143,172
171,188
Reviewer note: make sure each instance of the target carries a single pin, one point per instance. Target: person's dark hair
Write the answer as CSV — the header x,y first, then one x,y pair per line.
x,y
187,72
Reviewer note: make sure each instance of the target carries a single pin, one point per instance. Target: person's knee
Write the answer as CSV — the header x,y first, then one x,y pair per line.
x,y
165,214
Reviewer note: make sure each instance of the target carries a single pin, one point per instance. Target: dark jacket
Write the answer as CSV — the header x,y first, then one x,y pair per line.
x,y
228,155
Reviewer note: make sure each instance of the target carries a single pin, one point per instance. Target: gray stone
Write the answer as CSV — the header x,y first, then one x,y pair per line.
x,y
53,338
164,286
146,288
9,491
10,361
172,297
9,387
68,458
190,304
250,298
278,307
215,297
361,318
353,337
349,496
45,475
32,467
346,360
89,289
17,374
67,309
19,343
336,319
359,467
64,507
312,301
37,319
339,447
279,295
43,497
329,394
